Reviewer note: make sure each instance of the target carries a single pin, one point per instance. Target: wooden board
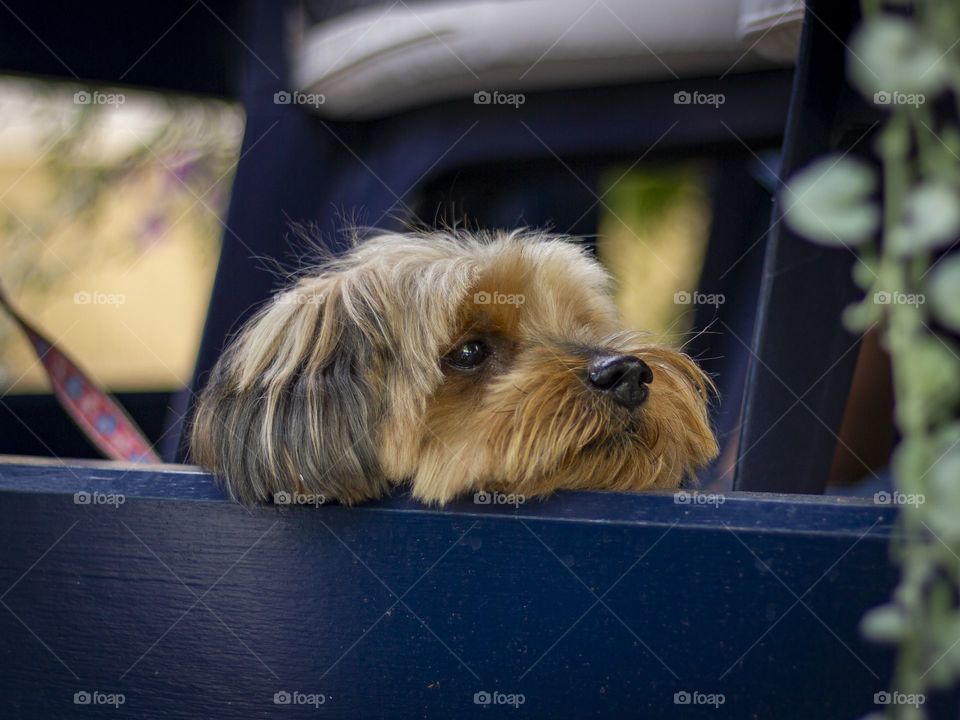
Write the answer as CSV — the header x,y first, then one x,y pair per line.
x,y
585,605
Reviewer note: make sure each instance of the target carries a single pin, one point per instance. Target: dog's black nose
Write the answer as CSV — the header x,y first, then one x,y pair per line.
x,y
623,377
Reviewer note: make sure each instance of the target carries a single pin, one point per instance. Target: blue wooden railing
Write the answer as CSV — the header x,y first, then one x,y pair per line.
x,y
131,592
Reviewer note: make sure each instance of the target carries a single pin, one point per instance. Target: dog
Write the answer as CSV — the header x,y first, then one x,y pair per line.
x,y
454,362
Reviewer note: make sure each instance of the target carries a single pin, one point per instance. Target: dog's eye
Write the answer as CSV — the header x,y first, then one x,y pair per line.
x,y
469,355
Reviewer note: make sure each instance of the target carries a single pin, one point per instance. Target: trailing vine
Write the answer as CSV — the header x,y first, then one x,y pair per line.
x,y
903,218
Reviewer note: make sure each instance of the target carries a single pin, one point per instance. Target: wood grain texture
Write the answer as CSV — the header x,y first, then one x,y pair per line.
x,y
588,604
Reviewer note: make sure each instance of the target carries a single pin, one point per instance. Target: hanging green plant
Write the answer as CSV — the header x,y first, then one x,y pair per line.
x,y
903,221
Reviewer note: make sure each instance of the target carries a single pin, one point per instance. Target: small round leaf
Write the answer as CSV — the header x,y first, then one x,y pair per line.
x,y
889,55
944,289
931,220
884,624
829,202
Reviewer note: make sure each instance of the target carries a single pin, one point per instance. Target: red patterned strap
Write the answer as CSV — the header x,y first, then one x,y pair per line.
x,y
99,416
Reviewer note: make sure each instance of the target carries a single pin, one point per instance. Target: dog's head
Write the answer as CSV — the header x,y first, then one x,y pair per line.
x,y
455,362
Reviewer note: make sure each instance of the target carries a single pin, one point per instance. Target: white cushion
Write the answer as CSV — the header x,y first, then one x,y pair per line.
x,y
388,58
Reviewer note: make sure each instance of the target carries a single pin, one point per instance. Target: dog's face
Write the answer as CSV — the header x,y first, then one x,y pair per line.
x,y
457,364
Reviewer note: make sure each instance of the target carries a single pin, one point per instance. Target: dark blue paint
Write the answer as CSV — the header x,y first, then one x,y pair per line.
x,y
453,602
802,358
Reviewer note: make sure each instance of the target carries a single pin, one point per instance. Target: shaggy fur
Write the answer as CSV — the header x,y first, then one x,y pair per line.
x,y
343,386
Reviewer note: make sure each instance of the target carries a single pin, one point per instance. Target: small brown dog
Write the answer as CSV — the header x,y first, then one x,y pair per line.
x,y
455,362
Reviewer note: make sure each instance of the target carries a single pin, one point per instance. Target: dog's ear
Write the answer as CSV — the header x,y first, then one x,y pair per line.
x,y
294,402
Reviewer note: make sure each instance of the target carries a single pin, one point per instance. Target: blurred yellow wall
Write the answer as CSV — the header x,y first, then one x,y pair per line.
x,y
124,298
141,328
652,236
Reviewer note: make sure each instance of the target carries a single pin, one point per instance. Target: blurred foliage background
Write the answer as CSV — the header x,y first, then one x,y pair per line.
x,y
110,219
652,239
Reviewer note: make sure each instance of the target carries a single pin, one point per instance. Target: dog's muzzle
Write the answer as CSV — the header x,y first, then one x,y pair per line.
x,y
622,378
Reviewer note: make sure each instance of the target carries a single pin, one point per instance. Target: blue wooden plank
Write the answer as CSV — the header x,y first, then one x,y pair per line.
x,y
585,605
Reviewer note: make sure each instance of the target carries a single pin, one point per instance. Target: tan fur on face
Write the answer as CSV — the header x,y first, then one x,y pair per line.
x,y
342,380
